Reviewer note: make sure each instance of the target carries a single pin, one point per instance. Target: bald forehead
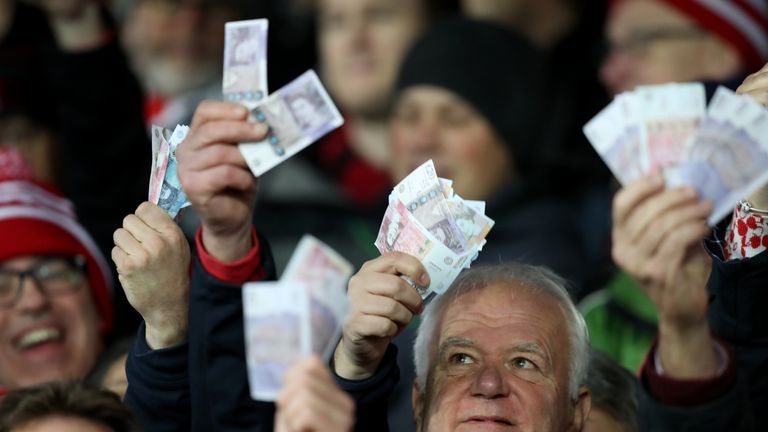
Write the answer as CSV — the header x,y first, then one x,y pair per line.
x,y
498,300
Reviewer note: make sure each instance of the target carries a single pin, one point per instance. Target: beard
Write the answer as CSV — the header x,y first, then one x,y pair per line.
x,y
169,78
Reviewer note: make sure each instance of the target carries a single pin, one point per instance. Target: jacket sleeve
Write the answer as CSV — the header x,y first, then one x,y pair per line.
x,y
728,412
371,395
158,386
221,398
737,288
738,295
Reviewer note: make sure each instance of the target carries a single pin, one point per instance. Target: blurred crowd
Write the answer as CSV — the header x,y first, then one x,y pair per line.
x,y
594,306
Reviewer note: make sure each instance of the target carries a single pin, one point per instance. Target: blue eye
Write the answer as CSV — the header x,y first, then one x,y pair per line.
x,y
523,363
462,358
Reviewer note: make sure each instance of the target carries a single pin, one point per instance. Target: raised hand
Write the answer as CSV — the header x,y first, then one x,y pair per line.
x,y
382,304
756,86
216,179
152,258
657,239
310,401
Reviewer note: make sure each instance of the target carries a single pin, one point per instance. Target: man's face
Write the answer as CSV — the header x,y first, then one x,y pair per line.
x,y
45,338
432,123
501,363
653,43
176,45
362,43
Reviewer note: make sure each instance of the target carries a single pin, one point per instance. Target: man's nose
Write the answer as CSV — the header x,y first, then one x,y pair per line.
x,y
357,34
490,383
32,297
616,70
425,136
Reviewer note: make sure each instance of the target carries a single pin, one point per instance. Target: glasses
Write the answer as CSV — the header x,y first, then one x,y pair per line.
x,y
639,40
54,276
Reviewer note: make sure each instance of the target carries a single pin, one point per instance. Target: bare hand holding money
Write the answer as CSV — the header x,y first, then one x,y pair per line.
x,y
382,304
152,258
658,240
310,401
216,179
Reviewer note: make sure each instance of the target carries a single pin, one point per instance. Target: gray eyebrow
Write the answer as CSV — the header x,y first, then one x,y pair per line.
x,y
533,348
525,347
454,341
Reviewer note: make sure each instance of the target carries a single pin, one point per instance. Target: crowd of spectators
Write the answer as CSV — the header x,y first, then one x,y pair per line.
x,y
594,306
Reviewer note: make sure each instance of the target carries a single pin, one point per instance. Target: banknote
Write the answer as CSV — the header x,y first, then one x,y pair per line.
x,y
171,197
276,320
425,198
474,225
729,153
245,61
669,115
160,153
427,220
325,274
401,232
616,138
720,150
298,114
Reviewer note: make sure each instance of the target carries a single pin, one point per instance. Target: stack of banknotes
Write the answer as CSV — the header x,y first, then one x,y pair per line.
x,y
720,150
301,314
298,114
164,186
427,220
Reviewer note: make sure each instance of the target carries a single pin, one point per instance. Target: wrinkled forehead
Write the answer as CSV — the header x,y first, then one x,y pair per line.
x,y
511,307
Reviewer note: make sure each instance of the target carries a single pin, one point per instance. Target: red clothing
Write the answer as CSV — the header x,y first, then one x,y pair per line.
x,y
361,182
247,269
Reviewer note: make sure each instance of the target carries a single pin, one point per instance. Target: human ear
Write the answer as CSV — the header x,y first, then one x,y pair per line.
x,y
583,405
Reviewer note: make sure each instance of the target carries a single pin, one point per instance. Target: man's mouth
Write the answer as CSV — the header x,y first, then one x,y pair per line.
x,y
489,419
38,337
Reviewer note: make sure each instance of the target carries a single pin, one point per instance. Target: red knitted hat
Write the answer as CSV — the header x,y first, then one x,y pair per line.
x,y
36,220
742,24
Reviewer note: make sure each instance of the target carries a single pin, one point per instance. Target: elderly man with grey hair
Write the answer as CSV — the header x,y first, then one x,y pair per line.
x,y
503,349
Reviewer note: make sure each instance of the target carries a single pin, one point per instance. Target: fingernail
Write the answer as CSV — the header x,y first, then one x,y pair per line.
x,y
424,279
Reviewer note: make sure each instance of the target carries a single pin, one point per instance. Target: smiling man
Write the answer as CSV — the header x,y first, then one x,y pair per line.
x,y
55,304
503,349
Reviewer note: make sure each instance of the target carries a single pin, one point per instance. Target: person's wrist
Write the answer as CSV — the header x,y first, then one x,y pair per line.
x,y
166,331
345,365
229,245
687,350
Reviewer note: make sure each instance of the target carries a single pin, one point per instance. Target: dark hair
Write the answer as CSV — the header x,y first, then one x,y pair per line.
x,y
613,389
75,399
